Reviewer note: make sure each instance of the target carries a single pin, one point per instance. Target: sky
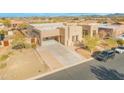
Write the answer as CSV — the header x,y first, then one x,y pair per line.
x,y
46,14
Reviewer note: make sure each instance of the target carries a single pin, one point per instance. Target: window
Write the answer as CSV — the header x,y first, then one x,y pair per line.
x,y
86,33
94,32
75,38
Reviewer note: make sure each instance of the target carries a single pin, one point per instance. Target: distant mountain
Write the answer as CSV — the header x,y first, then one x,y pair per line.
x,y
116,14
95,14
48,14
103,14
58,14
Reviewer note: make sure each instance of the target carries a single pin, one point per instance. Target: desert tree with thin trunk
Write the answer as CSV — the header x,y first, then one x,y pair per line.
x,y
23,26
120,42
91,43
111,42
18,39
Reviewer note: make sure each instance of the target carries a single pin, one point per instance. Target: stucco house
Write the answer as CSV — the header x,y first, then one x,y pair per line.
x,y
71,34
103,30
67,35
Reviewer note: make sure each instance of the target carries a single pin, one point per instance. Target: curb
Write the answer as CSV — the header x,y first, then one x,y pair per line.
x,y
54,71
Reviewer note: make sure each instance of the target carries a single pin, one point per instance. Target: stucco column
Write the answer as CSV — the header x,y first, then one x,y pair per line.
x,y
41,39
59,38
91,32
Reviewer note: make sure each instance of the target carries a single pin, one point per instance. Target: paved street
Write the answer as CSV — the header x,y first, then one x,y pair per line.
x,y
92,70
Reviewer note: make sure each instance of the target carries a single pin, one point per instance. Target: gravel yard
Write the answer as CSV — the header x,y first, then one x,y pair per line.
x,y
23,65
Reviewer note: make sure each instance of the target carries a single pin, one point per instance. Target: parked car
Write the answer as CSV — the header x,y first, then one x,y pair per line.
x,y
95,53
120,49
105,55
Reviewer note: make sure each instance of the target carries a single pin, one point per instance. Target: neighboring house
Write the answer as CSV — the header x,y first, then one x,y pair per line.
x,y
16,23
103,30
111,30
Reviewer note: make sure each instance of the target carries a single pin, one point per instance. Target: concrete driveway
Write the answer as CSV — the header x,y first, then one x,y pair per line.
x,y
56,54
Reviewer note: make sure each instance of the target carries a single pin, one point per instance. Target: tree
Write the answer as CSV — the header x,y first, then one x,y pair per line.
x,y
91,42
6,22
120,42
23,26
18,39
111,42
2,34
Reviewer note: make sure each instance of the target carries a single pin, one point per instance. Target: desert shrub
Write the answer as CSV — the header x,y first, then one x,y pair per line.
x,y
120,42
34,46
27,45
91,42
111,42
10,53
18,41
3,65
18,46
3,57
